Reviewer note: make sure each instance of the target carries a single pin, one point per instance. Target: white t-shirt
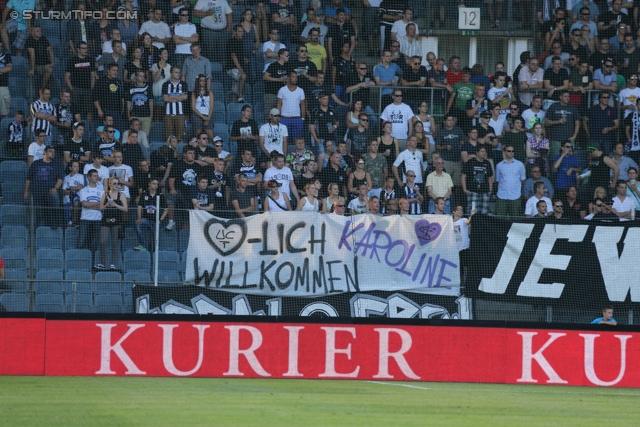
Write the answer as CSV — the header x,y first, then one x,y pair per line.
x,y
284,176
530,118
399,116
357,206
291,101
269,45
103,172
37,151
274,137
412,162
531,208
184,30
400,28
71,181
623,206
218,19
160,30
461,231
629,97
494,93
125,172
323,32
89,194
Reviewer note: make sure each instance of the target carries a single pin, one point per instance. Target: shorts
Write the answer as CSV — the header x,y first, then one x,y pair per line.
x,y
198,123
40,70
21,35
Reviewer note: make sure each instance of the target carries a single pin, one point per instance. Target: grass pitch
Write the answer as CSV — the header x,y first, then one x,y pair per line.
x,y
76,401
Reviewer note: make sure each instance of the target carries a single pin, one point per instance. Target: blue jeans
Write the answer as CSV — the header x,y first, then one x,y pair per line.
x,y
142,231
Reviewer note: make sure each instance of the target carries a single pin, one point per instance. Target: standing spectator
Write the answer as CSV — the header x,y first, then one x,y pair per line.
x,y
143,138
413,193
409,159
566,167
292,105
5,68
624,163
386,74
18,25
605,78
283,175
66,115
75,148
114,206
608,21
242,197
96,164
517,138
317,52
500,95
335,174
556,78
140,102
630,94
510,175
194,66
449,143
359,137
585,18
157,28
454,74
146,221
118,57
600,123
275,78
477,181
80,78
109,96
359,83
604,171
477,105
284,20
415,76
235,64
107,144
91,215
44,181
36,148
277,201
181,182
43,114
375,164
538,149
273,136
390,12
174,93
371,32
122,173
219,183
399,115
160,73
132,152
632,128
245,131
217,18
315,20
15,144
41,56
343,67
530,77
184,33
563,122
324,124
271,47
439,186
580,81
629,57
535,202
462,92
341,32
573,208
306,69
533,115
202,105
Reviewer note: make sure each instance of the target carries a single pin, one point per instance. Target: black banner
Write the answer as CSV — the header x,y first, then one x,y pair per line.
x,y
566,265
200,300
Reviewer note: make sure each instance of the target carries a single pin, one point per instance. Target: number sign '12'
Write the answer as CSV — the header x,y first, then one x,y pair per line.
x,y
469,18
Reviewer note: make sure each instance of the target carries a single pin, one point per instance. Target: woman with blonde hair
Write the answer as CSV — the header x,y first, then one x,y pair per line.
x,y
334,195
113,205
310,201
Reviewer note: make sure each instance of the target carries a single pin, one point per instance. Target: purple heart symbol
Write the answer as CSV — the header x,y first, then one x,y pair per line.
x,y
427,232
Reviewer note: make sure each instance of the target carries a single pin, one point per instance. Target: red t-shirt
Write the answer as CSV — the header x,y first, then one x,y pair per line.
x,y
453,78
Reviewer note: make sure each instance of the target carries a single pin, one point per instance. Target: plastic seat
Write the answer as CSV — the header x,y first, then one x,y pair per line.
x,y
48,282
137,261
16,279
46,238
14,236
108,304
79,282
13,192
168,240
130,240
156,133
50,303
19,103
13,215
169,278
12,301
184,240
71,236
78,260
15,258
49,260
13,170
137,277
222,130
217,89
219,112
106,278
79,303
168,261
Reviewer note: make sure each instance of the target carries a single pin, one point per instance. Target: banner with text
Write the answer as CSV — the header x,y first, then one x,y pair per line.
x,y
564,264
303,254
396,305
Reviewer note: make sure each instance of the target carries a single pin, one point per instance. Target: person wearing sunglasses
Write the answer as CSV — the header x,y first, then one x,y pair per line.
x,y
629,94
601,121
566,166
510,173
606,214
415,76
596,205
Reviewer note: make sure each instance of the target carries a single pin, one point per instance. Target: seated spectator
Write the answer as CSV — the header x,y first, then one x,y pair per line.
x,y
310,201
534,207
606,214
15,144
359,204
358,177
202,197
528,189
276,200
298,156
566,166
36,149
282,174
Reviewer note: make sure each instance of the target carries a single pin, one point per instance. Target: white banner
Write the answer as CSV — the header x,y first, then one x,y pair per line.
x,y
307,254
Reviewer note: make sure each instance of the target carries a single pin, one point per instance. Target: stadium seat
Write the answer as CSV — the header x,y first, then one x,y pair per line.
x,y
14,236
49,260
78,260
46,238
137,277
221,130
18,87
184,265
184,240
130,240
168,261
16,279
234,112
50,303
79,282
219,112
13,215
13,192
71,235
155,134
79,303
108,304
105,278
18,103
137,261
13,170
98,256
217,89
15,258
168,240
19,68
12,301
48,282
153,146
168,278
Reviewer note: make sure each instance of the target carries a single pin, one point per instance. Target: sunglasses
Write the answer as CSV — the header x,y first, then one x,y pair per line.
x,y
568,147
364,120
411,176
398,96
558,206
362,68
218,145
110,131
509,151
599,205
633,78
608,203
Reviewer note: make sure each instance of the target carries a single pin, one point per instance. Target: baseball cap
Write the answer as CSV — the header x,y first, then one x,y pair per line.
x,y
274,112
216,139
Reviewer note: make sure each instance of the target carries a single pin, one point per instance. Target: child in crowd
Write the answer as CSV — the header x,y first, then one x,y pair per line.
x,y
607,317
71,185
15,145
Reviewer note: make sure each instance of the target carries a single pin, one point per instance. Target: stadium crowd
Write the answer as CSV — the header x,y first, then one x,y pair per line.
x,y
268,110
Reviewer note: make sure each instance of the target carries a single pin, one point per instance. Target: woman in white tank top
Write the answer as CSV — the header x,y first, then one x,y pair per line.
x,y
202,100
276,201
310,201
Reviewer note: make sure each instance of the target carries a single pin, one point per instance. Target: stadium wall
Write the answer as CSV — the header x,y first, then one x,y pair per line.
x,y
380,349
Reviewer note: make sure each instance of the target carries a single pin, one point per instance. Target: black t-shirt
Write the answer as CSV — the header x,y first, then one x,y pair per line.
x,y
359,141
80,70
76,149
245,128
478,174
633,61
39,47
345,68
574,212
132,155
600,173
139,97
362,94
160,158
148,204
207,152
322,119
597,57
234,46
275,70
185,176
5,59
556,79
141,182
411,76
331,176
312,93
110,94
311,69
243,198
65,114
339,35
609,16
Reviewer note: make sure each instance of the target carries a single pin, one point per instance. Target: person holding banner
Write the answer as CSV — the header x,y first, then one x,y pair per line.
x,y
276,200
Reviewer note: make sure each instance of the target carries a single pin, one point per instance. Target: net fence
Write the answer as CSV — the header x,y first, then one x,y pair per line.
x,y
298,94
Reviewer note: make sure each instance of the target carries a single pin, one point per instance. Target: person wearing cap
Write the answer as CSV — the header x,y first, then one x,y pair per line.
x,y
220,152
276,200
606,214
76,148
273,136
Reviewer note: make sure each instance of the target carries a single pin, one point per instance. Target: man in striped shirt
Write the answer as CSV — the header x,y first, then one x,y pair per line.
x,y
140,102
174,93
43,114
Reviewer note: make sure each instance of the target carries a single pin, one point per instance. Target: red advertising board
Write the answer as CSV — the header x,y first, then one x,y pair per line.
x,y
22,346
334,351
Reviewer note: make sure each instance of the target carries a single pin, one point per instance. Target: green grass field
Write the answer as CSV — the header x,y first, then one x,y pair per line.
x,y
69,401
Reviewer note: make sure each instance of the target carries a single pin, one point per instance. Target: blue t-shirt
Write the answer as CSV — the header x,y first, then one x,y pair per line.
x,y
562,181
600,319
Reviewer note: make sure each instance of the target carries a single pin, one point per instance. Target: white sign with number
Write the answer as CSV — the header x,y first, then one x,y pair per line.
x,y
469,18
